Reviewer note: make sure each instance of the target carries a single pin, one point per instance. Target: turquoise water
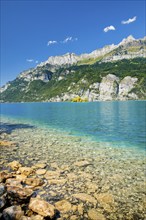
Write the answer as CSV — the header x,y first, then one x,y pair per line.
x,y
119,123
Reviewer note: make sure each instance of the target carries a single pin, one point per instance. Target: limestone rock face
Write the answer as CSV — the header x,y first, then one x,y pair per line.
x,y
42,207
66,59
109,87
126,85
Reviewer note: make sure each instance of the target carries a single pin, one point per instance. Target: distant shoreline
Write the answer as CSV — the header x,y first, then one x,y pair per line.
x,y
77,102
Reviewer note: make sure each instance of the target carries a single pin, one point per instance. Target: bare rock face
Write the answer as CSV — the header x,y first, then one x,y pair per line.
x,y
109,87
66,59
42,207
125,86
94,92
13,212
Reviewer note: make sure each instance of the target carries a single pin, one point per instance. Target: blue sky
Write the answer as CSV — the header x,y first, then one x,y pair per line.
x,y
31,31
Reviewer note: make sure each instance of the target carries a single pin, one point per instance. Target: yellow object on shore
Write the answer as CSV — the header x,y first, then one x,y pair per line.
x,y
79,99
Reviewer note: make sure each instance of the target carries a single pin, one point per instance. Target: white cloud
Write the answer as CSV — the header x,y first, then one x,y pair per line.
x,y
30,60
109,28
51,42
130,20
69,39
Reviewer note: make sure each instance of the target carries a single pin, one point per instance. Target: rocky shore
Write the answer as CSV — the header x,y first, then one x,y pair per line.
x,y
47,174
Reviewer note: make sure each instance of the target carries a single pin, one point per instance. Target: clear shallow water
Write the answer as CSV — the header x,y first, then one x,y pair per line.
x,y
119,123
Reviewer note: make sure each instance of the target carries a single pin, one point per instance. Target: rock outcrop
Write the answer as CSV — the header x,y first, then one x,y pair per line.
x,y
125,87
109,87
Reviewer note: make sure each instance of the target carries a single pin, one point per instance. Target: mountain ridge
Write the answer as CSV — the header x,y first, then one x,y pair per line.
x,y
94,76
72,58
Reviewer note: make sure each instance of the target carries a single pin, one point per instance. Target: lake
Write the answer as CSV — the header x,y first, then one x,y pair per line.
x,y
92,155
120,123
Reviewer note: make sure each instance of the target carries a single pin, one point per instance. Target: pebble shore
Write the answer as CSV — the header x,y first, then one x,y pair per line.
x,y
46,174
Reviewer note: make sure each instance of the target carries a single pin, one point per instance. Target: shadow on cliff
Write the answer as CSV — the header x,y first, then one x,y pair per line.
x,y
8,128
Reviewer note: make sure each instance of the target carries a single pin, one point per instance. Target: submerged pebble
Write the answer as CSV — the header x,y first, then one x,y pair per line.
x,y
80,179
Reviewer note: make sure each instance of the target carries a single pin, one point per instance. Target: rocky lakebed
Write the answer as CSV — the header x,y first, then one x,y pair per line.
x,y
46,174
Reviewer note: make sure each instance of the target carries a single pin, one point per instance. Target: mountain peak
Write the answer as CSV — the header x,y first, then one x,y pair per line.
x,y
130,38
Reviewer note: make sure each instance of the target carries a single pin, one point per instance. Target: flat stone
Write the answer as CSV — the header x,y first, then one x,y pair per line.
x,y
26,171
107,201
52,174
82,163
13,213
85,197
74,217
41,171
42,207
34,182
20,177
40,165
105,198
85,175
15,165
63,206
93,214
54,165
72,176
57,182
92,186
